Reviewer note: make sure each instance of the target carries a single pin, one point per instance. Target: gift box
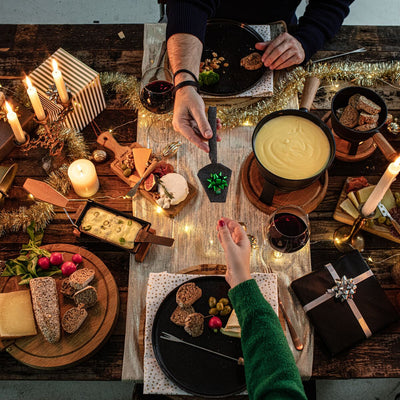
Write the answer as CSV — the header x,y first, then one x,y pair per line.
x,y
344,302
83,83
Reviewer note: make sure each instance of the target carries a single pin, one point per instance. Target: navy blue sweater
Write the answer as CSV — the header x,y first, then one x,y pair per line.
x,y
320,22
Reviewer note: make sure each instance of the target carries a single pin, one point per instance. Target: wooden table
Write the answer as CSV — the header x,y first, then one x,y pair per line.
x,y
24,47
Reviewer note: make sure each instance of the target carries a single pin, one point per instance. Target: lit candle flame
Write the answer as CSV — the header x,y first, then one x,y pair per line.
x,y
397,162
28,82
79,168
9,108
55,65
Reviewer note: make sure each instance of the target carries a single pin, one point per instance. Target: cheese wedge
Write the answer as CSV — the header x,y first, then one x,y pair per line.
x,y
353,198
16,315
141,156
233,321
348,207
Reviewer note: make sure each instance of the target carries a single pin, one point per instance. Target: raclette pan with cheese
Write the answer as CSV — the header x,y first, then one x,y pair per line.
x,y
43,191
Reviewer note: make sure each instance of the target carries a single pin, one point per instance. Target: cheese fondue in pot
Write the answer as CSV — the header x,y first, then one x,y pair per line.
x,y
292,147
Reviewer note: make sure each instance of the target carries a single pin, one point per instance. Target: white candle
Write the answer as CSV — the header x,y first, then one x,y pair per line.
x,y
35,101
15,125
82,174
380,189
59,81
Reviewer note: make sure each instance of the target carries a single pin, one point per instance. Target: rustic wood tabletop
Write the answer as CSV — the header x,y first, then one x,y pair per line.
x,y
24,47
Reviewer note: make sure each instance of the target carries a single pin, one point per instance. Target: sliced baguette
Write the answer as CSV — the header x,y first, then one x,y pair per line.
x,y
86,297
187,294
81,278
46,308
73,319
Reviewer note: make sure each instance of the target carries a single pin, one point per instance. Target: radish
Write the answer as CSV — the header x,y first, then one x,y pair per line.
x,y
77,258
44,262
68,268
215,324
56,258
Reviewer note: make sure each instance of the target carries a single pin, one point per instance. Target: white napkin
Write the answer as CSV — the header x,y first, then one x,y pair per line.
x,y
159,285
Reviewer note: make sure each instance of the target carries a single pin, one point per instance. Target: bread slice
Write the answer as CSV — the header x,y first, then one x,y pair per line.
x,y
353,100
367,105
73,319
66,289
178,317
366,118
81,278
366,127
187,294
45,306
349,117
86,297
194,324
252,61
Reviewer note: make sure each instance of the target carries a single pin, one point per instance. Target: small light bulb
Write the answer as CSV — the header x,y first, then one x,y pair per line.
x,y
31,196
159,210
277,254
186,228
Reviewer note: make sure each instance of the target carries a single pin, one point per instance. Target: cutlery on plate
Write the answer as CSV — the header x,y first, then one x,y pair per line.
x,y
167,152
172,338
384,211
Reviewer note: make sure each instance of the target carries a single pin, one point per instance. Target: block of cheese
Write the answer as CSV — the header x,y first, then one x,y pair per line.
x,y
140,156
16,315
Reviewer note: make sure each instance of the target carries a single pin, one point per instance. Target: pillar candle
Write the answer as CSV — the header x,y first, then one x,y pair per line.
x,y
59,81
380,189
35,101
82,174
15,125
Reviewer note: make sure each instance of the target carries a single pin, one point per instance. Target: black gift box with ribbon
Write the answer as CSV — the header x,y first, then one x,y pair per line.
x,y
344,302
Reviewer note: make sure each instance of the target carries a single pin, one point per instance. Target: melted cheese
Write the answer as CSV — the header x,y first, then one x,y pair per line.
x,y
16,314
292,147
108,226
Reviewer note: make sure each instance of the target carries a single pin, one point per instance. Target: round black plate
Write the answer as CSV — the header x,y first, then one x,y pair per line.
x,y
193,370
233,41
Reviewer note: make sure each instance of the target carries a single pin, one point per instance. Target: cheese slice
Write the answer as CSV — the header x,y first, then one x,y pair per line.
x,y
233,322
16,314
348,207
140,156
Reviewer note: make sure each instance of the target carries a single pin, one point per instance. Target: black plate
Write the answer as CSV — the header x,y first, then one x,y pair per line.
x,y
233,41
193,370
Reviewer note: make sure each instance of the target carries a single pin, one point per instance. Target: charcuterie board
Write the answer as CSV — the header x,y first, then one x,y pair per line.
x,y
36,352
120,152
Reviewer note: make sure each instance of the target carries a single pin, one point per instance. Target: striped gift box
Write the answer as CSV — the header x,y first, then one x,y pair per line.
x,y
83,82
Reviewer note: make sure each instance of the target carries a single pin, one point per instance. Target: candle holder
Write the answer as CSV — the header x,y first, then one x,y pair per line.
x,y
67,107
347,238
24,144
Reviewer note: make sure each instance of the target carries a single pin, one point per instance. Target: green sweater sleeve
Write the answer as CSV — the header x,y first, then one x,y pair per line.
x,y
270,368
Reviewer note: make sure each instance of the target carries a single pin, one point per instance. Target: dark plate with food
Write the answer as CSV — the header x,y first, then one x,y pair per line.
x,y
193,370
227,44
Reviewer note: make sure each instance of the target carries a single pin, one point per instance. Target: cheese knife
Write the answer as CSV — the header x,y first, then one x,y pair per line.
x,y
386,213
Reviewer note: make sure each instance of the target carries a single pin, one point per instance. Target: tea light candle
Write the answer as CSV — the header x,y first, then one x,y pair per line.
x,y
380,189
15,125
35,101
59,81
82,174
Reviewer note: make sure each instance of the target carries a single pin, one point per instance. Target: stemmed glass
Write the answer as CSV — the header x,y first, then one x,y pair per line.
x,y
288,229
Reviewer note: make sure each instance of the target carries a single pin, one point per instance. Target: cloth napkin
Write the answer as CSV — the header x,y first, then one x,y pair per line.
x,y
159,285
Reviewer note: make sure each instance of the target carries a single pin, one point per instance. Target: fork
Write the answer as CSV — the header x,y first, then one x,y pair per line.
x,y
293,334
172,338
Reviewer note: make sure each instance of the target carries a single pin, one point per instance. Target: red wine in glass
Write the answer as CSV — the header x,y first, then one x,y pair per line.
x,y
157,96
287,232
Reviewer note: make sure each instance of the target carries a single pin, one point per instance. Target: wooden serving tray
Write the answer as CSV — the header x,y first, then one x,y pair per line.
x,y
109,142
36,352
342,216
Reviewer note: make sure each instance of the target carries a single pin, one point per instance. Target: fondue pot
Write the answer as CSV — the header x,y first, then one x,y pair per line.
x,y
341,100
273,181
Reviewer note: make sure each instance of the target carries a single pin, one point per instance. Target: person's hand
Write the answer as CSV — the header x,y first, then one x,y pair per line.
x,y
282,52
190,118
236,246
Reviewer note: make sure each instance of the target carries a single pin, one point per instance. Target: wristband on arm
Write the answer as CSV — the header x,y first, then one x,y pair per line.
x,y
186,71
186,83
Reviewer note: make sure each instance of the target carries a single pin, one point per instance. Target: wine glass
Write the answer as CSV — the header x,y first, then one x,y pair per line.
x,y
156,90
288,229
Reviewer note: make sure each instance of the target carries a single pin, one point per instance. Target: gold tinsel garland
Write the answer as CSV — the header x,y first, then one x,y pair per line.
x,y
358,73
40,212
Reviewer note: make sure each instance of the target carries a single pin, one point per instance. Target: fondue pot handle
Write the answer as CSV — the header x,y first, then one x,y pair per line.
x,y
385,147
311,86
212,119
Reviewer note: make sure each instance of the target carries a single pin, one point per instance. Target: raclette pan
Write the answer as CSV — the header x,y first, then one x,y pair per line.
x,y
43,191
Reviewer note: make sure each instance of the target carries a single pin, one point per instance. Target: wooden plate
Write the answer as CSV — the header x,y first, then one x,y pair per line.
x,y
36,352
379,230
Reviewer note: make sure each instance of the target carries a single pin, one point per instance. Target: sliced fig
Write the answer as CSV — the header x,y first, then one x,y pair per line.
x,y
163,168
150,183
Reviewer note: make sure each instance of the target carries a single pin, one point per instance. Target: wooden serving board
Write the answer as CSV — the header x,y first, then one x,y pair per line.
x,y
202,269
108,141
36,352
342,216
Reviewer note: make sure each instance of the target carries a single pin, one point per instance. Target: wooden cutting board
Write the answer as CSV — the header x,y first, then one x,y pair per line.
x,y
120,152
36,352
202,269
342,216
